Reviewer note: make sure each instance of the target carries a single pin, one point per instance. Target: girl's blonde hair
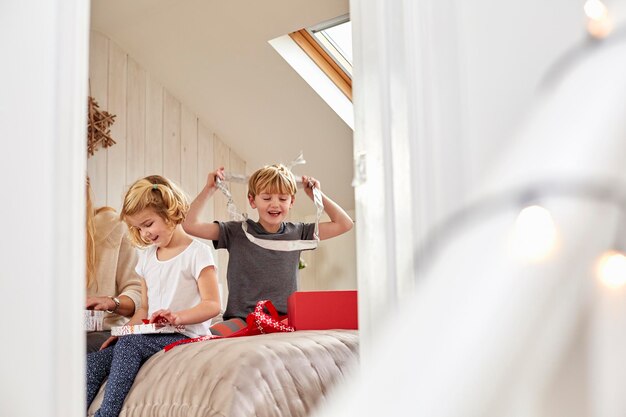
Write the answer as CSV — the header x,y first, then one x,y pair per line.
x,y
91,237
159,194
92,255
275,178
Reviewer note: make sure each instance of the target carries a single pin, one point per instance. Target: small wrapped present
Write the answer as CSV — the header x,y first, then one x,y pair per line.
x,y
322,310
146,328
93,320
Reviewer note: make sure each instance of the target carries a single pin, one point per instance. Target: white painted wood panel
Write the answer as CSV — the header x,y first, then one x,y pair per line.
x,y
116,158
171,137
154,127
98,86
136,122
238,191
205,165
188,151
221,157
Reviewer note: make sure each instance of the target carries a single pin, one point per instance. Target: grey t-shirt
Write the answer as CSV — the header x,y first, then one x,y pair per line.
x,y
255,273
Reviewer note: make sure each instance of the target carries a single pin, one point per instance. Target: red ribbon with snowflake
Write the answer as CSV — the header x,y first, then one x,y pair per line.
x,y
258,322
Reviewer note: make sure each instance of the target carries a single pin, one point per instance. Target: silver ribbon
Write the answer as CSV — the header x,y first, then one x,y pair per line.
x,y
278,245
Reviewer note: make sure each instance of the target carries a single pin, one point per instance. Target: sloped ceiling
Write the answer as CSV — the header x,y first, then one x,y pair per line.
x,y
215,57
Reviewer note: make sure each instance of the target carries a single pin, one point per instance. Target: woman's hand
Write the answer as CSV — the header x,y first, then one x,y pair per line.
x,y
213,176
309,183
100,303
165,317
109,342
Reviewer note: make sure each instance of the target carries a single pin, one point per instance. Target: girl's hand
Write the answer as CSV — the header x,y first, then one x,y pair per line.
x,y
309,183
213,176
100,303
165,317
109,342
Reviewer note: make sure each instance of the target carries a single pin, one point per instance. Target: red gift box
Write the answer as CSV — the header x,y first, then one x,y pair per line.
x,y
322,310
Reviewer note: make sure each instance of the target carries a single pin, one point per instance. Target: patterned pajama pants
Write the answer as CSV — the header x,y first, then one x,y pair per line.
x,y
121,362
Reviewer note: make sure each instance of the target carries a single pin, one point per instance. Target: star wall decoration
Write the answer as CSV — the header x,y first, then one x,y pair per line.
x,y
98,128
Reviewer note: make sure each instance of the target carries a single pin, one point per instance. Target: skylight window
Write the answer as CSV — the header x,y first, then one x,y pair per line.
x,y
322,56
336,38
329,45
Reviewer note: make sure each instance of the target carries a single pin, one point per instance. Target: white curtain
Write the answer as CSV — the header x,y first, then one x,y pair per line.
x,y
455,102
408,155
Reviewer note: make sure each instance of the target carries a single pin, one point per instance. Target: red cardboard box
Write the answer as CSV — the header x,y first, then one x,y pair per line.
x,y
322,310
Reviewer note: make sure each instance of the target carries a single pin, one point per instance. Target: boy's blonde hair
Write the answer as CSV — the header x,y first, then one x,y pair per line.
x,y
275,178
156,193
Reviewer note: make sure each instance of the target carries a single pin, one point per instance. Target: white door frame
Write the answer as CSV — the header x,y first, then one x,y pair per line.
x,y
44,46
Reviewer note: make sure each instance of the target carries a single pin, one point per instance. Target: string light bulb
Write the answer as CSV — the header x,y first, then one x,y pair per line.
x,y
611,269
599,25
534,237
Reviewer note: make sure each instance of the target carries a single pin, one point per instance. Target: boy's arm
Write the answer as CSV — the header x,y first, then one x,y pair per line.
x,y
192,224
339,222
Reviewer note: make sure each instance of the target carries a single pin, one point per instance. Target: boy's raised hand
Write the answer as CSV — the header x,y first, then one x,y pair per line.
x,y
213,176
309,183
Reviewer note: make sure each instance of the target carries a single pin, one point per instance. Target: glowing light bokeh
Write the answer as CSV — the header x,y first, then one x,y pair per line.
x,y
612,269
535,236
599,25
595,9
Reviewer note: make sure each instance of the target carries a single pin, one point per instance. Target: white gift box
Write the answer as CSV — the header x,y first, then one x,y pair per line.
x,y
146,329
93,320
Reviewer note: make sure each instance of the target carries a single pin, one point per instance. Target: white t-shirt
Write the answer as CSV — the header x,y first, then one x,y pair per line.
x,y
173,284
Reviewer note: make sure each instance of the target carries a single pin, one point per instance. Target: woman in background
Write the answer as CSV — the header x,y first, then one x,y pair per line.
x,y
113,285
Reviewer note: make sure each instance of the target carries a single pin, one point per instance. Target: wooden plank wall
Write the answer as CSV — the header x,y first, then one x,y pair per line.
x,y
155,134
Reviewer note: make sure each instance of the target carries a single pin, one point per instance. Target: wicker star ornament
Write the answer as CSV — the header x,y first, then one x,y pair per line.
x,y
98,128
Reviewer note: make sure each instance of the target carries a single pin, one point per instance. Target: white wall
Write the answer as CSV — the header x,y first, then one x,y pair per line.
x,y
332,265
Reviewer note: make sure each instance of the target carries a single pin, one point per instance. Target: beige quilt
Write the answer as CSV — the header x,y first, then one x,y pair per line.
x,y
274,375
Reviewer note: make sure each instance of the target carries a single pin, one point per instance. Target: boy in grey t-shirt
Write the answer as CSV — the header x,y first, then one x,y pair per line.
x,y
256,273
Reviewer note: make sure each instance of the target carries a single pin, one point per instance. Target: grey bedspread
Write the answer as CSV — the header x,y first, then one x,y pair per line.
x,y
274,375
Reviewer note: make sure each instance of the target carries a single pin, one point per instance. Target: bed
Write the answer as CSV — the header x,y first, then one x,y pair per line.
x,y
278,374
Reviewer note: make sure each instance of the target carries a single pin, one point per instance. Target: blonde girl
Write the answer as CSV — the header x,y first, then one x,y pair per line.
x,y
179,286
